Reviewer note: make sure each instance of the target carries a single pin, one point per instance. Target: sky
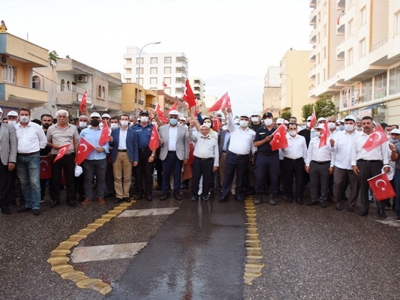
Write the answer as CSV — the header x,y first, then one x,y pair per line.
x,y
229,43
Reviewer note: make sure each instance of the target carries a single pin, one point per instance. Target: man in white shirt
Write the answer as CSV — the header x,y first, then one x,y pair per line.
x,y
341,146
31,139
206,160
368,164
319,164
293,164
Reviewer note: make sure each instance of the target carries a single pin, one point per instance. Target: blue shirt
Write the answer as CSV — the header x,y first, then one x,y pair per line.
x,y
93,137
261,134
144,135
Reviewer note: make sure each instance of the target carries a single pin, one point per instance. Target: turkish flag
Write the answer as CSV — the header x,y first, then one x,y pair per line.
x,y
313,118
104,137
154,139
222,103
45,168
188,95
381,187
375,139
164,84
61,152
85,148
83,102
216,124
160,114
280,140
173,107
324,136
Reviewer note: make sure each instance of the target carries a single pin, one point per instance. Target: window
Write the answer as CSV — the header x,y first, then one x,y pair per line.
x,y
139,60
139,70
351,28
167,80
324,52
167,70
36,82
350,57
140,81
167,90
362,48
68,86
153,70
394,81
318,38
154,60
397,30
366,90
9,74
323,75
103,92
317,58
153,81
128,71
129,61
324,9
62,85
363,16
99,91
167,60
380,86
325,32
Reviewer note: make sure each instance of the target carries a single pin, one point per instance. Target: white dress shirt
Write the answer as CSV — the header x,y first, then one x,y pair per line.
x,y
342,149
122,139
296,148
206,147
241,141
30,138
172,138
318,154
358,152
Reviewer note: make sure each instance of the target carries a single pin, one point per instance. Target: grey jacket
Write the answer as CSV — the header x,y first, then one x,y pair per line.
x,y
182,142
8,143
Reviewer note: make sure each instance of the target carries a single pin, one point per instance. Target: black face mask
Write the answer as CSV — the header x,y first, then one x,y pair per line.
x,y
94,123
45,126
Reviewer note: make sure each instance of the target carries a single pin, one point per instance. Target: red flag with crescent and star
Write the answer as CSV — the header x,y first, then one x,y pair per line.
x,y
45,168
216,124
154,139
83,102
381,187
160,114
61,152
188,95
324,136
280,140
222,103
104,137
85,148
173,107
375,139
313,118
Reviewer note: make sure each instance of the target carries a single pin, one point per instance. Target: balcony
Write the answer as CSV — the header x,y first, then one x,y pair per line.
x,y
313,36
313,18
181,67
340,50
340,26
311,91
181,58
313,3
181,76
313,55
312,72
15,95
179,90
341,5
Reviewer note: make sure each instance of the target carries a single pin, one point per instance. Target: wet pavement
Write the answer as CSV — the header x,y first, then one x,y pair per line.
x,y
197,251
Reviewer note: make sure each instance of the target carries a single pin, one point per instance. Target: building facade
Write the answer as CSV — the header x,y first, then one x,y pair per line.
x,y
272,91
146,100
357,56
157,71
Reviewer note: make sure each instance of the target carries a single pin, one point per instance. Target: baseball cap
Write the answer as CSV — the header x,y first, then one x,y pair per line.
x,y
321,119
95,115
106,116
395,131
349,117
12,113
182,119
173,112
245,115
144,112
320,126
267,115
309,118
280,121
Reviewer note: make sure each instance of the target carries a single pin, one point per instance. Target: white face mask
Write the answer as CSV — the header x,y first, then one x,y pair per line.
x,y
124,123
113,125
154,122
243,123
348,127
331,125
308,124
268,122
317,134
292,132
207,124
255,119
24,119
82,124
12,123
144,119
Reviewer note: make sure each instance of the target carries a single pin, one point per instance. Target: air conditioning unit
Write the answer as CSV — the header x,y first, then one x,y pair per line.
x,y
4,60
81,78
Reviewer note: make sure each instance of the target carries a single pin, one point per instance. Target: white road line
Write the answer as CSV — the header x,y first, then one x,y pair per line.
x,y
148,212
106,252
390,222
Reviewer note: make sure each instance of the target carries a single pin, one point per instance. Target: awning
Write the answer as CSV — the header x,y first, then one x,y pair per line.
x,y
372,106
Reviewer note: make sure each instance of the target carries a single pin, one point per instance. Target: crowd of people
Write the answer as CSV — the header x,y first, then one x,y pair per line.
x,y
199,153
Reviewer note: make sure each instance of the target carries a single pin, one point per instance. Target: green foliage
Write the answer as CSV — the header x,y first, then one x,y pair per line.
x,y
286,115
53,56
68,57
324,107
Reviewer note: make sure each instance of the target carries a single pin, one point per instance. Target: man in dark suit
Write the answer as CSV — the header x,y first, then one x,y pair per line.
x,y
174,152
124,155
8,158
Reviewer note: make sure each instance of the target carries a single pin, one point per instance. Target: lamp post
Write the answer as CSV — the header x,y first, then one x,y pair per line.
x,y
138,78
291,92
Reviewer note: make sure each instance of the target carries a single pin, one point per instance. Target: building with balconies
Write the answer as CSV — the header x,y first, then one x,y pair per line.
x,y
197,84
147,99
66,81
272,91
19,87
358,60
158,71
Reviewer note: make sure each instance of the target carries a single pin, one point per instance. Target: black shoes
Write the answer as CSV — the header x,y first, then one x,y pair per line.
x,y
127,199
118,200
205,198
299,201
312,203
323,204
164,197
36,211
258,199
382,213
338,207
239,198
54,204
70,203
6,210
272,200
149,198
350,209
177,196
289,200
223,199
194,198
363,213
24,209
138,197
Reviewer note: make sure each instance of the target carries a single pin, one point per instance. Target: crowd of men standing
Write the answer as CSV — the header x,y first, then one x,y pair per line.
x,y
238,158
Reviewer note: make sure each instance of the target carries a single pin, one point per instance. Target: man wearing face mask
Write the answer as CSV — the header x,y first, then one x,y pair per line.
x,y
83,123
8,158
306,132
31,139
255,122
145,168
114,123
12,118
332,126
174,152
266,160
293,164
341,146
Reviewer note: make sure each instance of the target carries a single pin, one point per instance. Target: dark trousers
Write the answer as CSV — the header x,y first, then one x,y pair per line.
x,y
293,168
202,167
6,186
234,163
266,164
144,173
158,167
110,179
43,183
319,179
367,170
342,177
66,164
93,168
171,165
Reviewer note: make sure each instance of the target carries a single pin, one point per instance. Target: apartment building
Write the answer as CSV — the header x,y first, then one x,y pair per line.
x,y
197,85
357,56
272,91
157,71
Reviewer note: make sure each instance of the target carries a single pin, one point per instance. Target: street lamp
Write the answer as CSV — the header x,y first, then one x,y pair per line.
x,y
291,90
138,78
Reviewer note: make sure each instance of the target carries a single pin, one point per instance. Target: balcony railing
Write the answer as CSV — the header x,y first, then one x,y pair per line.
x,y
379,44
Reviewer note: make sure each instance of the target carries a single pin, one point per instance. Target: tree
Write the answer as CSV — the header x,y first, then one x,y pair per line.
x,y
324,107
286,115
53,56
